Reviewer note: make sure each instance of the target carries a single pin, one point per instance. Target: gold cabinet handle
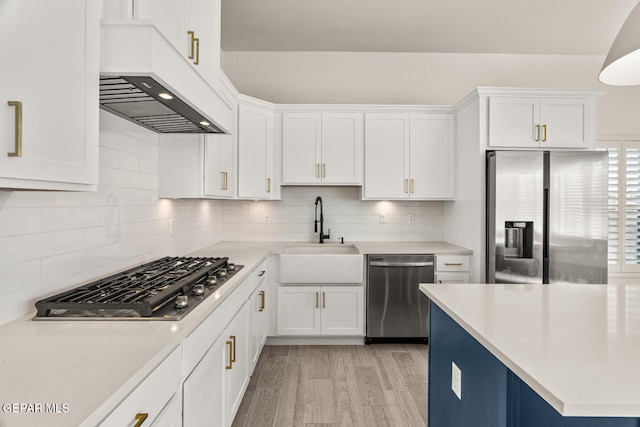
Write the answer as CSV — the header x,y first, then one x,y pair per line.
x,y
197,44
453,263
230,365
268,185
261,301
413,186
141,417
18,148
317,170
544,133
537,132
224,177
193,43
406,185
324,300
316,299
324,170
233,338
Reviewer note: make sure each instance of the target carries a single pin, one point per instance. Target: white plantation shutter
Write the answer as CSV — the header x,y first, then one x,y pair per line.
x,y
614,208
632,217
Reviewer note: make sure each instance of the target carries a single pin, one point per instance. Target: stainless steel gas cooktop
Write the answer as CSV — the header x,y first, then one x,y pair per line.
x,y
165,289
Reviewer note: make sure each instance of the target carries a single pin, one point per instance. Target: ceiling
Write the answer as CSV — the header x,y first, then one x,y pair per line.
x,y
556,27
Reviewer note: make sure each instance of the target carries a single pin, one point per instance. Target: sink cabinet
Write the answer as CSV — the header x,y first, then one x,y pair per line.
x,y
320,310
409,156
322,148
49,94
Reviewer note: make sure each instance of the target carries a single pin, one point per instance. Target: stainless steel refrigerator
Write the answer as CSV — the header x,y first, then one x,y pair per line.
x,y
546,217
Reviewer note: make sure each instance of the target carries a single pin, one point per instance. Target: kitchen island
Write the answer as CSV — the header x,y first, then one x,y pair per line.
x,y
534,355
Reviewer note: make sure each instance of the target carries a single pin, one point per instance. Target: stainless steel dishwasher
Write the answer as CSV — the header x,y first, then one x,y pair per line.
x,y
396,309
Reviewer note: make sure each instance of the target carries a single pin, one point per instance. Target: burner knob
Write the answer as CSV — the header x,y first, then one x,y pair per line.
x,y
182,301
197,289
222,272
212,281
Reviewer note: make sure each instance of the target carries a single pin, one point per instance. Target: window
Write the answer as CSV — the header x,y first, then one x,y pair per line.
x,y
624,205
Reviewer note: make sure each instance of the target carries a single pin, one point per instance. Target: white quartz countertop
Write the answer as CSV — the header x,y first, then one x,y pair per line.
x,y
93,365
577,346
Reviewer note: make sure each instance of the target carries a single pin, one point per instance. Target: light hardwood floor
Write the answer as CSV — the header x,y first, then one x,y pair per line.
x,y
368,385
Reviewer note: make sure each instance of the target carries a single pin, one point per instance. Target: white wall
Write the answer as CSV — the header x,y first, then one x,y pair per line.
x,y
422,78
344,213
50,241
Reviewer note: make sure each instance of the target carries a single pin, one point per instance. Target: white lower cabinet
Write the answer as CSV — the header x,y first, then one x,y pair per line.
x,y
320,310
452,268
260,317
171,415
147,402
214,389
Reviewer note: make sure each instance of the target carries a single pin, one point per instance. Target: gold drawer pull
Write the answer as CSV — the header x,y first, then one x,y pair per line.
x,y
233,338
230,365
141,418
406,185
453,263
18,149
413,186
261,301
544,133
324,170
268,185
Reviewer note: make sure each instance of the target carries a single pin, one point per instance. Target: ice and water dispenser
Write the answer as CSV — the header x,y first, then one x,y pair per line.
x,y
518,239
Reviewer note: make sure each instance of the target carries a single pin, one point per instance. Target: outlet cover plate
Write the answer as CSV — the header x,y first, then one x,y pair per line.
x,y
456,380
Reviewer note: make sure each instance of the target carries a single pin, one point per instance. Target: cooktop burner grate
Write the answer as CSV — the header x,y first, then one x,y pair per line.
x,y
149,290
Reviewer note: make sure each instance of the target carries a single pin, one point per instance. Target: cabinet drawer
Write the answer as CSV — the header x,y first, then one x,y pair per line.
x,y
151,396
452,263
452,277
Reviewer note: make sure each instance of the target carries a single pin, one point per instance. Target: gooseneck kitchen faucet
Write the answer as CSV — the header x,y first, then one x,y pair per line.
x,y
321,221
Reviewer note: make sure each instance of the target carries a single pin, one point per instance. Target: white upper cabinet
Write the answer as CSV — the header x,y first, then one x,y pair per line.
x,y
322,148
540,122
409,156
196,166
49,94
255,153
191,26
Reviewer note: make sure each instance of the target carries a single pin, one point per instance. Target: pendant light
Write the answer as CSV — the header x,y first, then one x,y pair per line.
x,y
622,66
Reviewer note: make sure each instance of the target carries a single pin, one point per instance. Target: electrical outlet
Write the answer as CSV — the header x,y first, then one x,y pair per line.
x,y
412,218
456,380
381,218
172,225
267,219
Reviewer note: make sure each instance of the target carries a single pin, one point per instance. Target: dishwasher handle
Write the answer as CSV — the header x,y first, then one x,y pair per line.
x,y
400,264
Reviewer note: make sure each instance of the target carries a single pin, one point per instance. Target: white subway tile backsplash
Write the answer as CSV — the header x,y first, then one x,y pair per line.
x,y
17,221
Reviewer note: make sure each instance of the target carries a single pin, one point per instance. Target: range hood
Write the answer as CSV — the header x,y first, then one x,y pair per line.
x,y
146,102
145,79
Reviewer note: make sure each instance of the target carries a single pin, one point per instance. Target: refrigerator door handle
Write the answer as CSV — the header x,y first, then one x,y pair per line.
x,y
545,238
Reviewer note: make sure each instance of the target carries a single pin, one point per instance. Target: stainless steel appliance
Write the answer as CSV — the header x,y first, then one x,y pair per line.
x,y
396,309
165,289
546,217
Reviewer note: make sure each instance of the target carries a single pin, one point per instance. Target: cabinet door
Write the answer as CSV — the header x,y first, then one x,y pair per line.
x,y
565,122
203,18
204,390
168,16
52,70
342,310
236,338
298,310
218,166
431,156
386,174
255,153
260,314
342,148
301,139
514,122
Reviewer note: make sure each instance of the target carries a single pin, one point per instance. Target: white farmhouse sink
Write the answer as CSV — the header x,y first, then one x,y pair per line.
x,y
328,263
317,248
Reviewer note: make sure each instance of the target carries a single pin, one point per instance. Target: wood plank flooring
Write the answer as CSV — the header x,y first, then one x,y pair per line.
x,y
312,386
